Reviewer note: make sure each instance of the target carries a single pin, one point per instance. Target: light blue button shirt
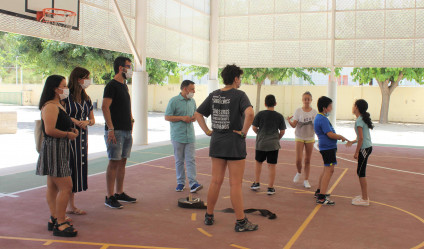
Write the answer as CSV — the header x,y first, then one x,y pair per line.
x,y
181,131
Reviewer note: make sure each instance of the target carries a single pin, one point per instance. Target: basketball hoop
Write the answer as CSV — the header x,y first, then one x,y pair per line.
x,y
61,21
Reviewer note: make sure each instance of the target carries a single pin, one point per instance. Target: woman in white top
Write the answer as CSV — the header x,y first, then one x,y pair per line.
x,y
303,121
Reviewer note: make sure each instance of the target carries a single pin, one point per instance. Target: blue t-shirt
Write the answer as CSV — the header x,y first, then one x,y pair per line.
x,y
322,126
365,132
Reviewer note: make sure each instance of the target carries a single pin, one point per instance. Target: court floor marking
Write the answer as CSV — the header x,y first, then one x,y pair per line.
x,y
376,166
14,194
104,245
311,215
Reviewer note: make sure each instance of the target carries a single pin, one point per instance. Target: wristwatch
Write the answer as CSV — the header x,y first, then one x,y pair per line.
x,y
242,135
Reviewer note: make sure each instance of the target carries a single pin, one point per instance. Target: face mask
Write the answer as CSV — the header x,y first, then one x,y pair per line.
x,y
190,95
65,93
86,84
327,114
128,74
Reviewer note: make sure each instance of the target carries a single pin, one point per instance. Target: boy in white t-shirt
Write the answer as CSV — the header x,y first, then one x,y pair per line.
x,y
303,121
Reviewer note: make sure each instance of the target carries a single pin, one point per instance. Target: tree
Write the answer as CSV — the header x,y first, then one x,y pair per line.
x,y
258,75
159,70
388,80
198,71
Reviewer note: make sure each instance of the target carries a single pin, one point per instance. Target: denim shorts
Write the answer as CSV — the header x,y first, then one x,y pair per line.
x,y
122,148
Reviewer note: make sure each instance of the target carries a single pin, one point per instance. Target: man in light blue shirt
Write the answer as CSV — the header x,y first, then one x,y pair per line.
x,y
180,112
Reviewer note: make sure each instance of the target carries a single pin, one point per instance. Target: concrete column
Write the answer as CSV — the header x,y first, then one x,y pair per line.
x,y
213,82
332,85
139,100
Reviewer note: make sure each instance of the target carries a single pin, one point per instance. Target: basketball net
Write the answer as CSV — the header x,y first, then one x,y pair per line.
x,y
60,21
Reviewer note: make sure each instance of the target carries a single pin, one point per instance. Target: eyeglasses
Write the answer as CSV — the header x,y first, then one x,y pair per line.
x,y
127,66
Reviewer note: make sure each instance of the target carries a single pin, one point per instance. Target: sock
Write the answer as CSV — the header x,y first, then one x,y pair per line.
x,y
318,191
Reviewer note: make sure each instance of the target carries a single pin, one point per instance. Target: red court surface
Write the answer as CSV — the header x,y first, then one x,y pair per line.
x,y
393,220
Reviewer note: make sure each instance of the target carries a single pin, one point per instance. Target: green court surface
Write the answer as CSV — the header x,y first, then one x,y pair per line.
x,y
13,183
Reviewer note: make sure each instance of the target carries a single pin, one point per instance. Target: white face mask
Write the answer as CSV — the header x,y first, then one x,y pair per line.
x,y
190,95
128,74
86,83
65,93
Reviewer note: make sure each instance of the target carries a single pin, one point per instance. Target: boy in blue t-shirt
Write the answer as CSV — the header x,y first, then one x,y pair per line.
x,y
327,143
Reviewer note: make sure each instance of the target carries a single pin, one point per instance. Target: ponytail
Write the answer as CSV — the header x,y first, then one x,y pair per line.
x,y
362,106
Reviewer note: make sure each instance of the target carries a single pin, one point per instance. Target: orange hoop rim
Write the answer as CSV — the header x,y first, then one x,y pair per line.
x,y
50,11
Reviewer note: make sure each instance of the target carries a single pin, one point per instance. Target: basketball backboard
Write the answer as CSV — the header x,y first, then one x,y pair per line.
x,y
28,8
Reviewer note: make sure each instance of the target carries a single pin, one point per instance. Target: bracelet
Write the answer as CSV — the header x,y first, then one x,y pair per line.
x,y
208,132
110,130
242,135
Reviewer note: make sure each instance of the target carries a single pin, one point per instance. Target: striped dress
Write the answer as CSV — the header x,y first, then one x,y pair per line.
x,y
53,159
79,146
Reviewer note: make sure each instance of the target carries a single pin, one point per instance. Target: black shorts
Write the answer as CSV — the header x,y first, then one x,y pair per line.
x,y
270,156
329,157
362,161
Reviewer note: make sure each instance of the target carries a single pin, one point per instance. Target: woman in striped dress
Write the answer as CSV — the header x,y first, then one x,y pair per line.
x,y
79,107
53,160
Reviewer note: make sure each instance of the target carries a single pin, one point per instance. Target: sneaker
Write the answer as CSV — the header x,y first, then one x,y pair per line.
x,y
326,202
255,186
112,202
360,202
209,219
180,188
306,184
245,226
196,187
316,195
125,198
271,191
296,177
357,197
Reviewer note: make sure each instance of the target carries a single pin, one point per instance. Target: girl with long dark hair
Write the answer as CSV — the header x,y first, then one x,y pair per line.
x,y
363,124
53,160
79,107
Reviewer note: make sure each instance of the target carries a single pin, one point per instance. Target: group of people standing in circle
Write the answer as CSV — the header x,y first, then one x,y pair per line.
x,y
232,116
67,112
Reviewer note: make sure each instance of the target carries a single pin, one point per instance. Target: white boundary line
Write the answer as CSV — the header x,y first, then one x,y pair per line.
x,y
376,166
25,190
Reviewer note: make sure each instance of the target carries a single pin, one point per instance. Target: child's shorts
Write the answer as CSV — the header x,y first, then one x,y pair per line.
x,y
329,157
270,156
305,141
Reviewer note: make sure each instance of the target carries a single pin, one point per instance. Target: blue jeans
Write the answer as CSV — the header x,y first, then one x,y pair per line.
x,y
185,152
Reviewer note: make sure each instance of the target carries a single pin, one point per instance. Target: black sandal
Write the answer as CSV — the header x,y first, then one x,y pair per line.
x,y
50,225
67,232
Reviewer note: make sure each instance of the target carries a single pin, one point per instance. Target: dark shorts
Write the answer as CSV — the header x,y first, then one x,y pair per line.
x,y
270,156
231,158
329,157
362,161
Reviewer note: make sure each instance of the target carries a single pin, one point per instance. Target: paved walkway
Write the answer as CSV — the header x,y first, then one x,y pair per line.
x,y
18,154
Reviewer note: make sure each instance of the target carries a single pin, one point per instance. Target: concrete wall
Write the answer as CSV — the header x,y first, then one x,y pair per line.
x,y
405,105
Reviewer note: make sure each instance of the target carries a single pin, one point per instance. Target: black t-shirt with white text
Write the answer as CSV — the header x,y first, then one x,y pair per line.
x,y
227,111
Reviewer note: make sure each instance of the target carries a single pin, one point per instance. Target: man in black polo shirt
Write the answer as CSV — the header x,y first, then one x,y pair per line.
x,y
118,131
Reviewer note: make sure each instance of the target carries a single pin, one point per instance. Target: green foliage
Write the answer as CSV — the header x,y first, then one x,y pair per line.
x,y
364,75
159,70
198,71
258,75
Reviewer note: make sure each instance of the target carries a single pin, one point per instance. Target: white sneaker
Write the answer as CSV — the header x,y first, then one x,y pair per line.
x,y
296,177
360,202
357,197
306,184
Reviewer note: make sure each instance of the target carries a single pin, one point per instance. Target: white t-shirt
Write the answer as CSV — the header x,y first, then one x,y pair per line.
x,y
305,124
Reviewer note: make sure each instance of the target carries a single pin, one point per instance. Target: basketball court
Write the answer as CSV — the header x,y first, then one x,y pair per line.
x,y
213,33
393,220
